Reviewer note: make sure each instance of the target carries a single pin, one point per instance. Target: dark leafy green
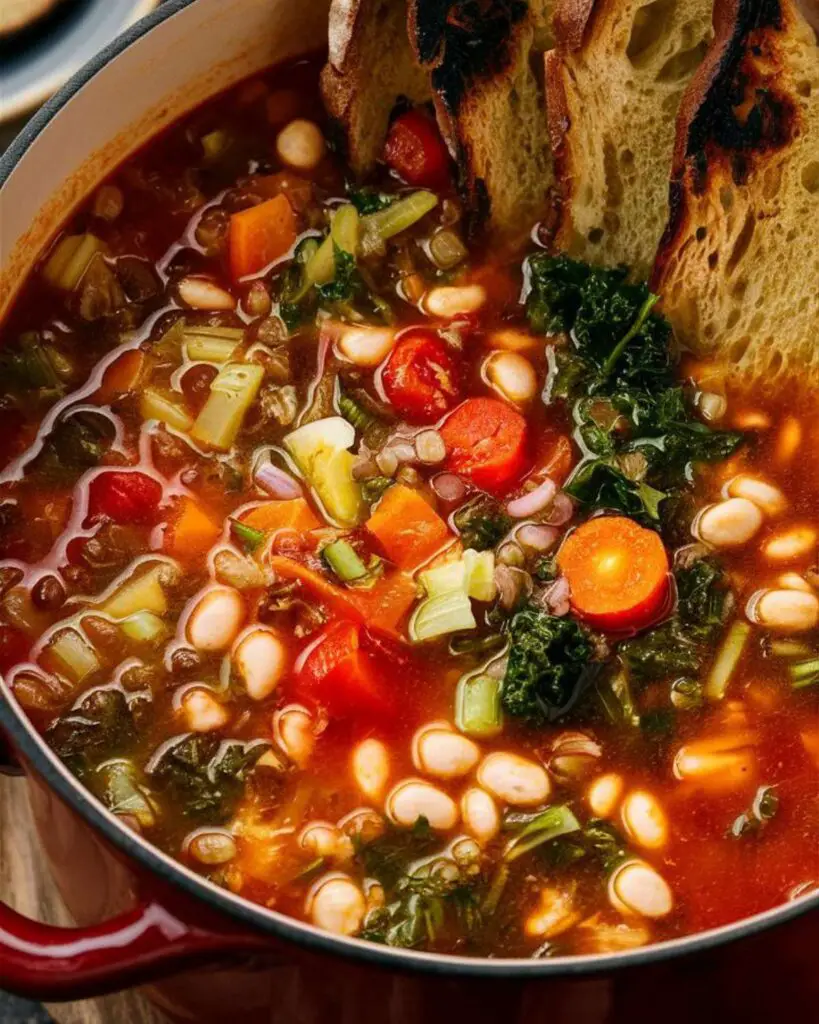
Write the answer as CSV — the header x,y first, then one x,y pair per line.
x,y
368,200
100,727
482,523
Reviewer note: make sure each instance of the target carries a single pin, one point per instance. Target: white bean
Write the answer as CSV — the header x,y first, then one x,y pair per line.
x,y
511,375
301,145
636,888
730,523
293,730
480,814
790,544
366,346
444,753
215,622
371,767
211,848
793,581
336,904
449,302
514,780
720,763
200,293
554,915
323,839
260,659
413,799
788,611
765,496
513,340
203,712
604,794
644,820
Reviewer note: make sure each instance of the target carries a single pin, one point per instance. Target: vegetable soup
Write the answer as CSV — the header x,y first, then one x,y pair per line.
x,y
402,583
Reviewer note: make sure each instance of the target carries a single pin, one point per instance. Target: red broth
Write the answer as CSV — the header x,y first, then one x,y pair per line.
x,y
660,792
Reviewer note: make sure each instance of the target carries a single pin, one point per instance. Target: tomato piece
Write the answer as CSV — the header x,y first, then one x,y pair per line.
x,y
487,440
338,675
125,497
416,151
421,379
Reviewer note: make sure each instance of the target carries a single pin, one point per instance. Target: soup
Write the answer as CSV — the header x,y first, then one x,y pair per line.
x,y
397,582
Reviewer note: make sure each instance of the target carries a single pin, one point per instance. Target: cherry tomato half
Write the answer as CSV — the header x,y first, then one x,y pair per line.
x,y
125,497
421,378
416,151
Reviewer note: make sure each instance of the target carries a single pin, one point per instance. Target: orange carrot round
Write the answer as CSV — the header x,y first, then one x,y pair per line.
x,y
618,573
486,440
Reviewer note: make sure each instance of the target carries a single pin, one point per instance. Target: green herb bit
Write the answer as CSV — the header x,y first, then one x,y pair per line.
x,y
250,538
345,561
482,523
372,490
355,413
478,710
536,829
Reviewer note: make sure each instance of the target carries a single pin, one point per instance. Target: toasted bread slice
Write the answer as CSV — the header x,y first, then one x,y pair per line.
x,y
738,266
490,103
371,67
614,82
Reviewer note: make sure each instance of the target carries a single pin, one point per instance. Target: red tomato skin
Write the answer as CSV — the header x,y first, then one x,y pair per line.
x,y
125,497
416,151
339,676
421,379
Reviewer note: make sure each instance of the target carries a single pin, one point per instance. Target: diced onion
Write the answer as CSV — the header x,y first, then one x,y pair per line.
x,y
276,482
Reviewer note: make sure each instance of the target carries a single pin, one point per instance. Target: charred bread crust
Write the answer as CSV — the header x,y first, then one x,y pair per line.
x,y
732,113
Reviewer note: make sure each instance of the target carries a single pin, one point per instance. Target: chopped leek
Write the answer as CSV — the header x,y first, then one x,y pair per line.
x,y
74,654
144,627
320,451
345,561
143,594
345,229
378,227
248,537
804,673
444,579
727,660
320,267
541,828
154,406
480,574
71,257
478,710
212,344
437,616
231,395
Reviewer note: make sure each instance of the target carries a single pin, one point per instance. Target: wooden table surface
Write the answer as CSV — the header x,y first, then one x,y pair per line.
x,y
25,884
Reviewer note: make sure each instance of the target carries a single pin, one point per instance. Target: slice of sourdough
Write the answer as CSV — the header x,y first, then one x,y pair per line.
x,y
371,67
738,267
484,60
614,83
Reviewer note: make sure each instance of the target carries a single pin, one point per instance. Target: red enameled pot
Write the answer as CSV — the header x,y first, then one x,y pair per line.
x,y
143,919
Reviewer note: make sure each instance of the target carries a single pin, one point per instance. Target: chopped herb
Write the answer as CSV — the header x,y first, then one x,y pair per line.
x,y
532,830
373,489
368,200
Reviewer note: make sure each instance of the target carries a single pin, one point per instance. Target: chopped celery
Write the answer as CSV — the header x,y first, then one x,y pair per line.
x,y
74,654
248,537
154,406
804,673
444,579
320,268
212,344
344,560
70,259
320,451
791,649
143,594
478,710
345,229
144,627
727,660
480,574
168,348
541,828
437,616
231,395
378,227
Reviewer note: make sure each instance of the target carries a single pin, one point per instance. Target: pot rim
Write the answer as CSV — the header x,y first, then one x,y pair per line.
x,y
35,751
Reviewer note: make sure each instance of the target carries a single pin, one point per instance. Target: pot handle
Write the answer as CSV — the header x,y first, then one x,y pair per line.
x,y
54,964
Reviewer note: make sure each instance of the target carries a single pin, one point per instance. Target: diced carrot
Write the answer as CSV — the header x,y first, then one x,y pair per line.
x,y
121,376
409,531
618,573
295,514
191,531
382,607
260,235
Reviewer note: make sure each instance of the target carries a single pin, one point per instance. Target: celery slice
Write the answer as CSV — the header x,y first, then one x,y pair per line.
x,y
321,267
378,227
444,579
480,574
71,257
320,451
74,654
727,660
154,406
478,710
143,594
144,627
345,229
344,560
212,344
231,395
437,616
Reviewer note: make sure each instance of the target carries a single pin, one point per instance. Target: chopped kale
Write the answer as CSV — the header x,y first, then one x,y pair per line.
x,y
31,364
78,442
482,523
549,661
100,727
346,283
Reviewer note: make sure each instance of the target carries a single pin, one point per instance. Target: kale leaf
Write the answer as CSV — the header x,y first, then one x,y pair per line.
x,y
482,523
549,661
100,727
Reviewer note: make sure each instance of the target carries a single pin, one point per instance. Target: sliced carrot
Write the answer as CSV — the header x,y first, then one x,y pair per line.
x,y
260,235
618,573
382,607
486,439
409,531
295,514
191,531
121,376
